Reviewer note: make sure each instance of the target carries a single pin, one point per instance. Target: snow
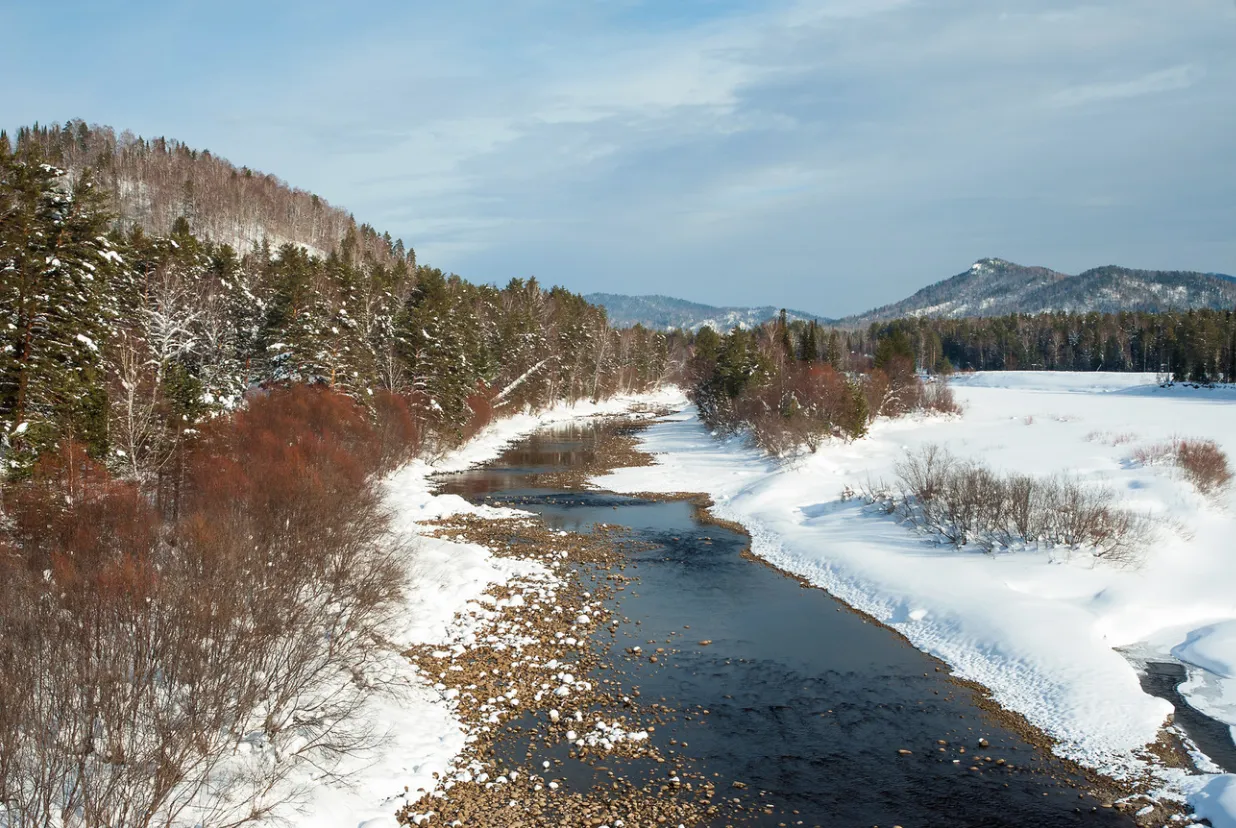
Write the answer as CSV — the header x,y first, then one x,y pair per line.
x,y
1039,628
448,580
1209,654
1216,801
1211,648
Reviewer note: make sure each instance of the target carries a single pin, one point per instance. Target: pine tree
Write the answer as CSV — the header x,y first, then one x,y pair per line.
x,y
298,321
857,414
433,335
809,348
55,265
783,335
832,353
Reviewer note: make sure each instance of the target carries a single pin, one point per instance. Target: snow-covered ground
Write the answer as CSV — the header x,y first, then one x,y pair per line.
x,y
421,735
1039,628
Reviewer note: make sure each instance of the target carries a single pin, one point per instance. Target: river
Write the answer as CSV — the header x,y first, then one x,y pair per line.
x,y
820,715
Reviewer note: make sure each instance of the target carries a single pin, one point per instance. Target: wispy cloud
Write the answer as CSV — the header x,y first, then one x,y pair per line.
x,y
1167,80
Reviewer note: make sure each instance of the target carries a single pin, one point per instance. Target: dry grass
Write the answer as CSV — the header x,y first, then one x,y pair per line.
x,y
1112,438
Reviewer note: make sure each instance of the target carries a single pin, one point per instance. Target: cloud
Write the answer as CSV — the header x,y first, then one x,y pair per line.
x,y
810,142
824,154
1166,80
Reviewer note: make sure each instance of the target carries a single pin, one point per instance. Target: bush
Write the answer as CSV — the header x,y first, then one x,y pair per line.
x,y
805,404
396,432
1202,461
967,503
938,398
139,651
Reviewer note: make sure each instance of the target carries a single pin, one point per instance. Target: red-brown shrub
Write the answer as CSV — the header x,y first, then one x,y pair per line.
x,y
129,644
1204,463
72,511
396,430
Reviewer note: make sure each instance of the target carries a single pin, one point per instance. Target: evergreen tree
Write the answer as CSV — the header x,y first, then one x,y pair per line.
x,y
857,414
783,335
809,349
432,332
832,353
55,265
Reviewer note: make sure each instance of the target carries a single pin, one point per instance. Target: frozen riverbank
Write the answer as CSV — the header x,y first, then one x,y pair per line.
x,y
421,735
1038,628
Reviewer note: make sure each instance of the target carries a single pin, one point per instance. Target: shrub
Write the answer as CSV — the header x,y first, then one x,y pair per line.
x,y
137,651
1202,461
938,398
1154,454
396,431
1204,464
967,503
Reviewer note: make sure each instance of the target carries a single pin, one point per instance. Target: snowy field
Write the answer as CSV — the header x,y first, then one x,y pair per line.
x,y
421,735
1040,628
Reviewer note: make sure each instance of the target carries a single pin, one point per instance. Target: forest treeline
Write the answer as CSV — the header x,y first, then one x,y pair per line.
x,y
795,384
1185,346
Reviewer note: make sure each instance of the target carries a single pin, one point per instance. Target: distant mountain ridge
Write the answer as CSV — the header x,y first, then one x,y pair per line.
x,y
667,313
991,287
995,287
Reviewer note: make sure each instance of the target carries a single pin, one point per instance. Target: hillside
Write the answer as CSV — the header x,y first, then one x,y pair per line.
x,y
126,319
994,287
151,183
666,313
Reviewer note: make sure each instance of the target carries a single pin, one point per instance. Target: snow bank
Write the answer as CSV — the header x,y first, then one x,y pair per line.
x,y
422,736
1038,628
1217,802
1074,382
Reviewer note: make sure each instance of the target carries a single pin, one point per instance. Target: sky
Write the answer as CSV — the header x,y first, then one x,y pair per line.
x,y
829,156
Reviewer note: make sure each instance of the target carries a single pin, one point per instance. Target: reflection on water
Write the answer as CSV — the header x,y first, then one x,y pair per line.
x,y
553,449
808,704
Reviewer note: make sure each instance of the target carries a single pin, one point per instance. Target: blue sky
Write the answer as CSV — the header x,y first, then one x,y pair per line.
x,y
830,155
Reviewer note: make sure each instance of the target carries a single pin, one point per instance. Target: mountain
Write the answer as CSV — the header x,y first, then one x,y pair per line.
x,y
667,313
995,287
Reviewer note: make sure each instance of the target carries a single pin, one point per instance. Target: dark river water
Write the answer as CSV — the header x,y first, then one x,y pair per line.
x,y
808,704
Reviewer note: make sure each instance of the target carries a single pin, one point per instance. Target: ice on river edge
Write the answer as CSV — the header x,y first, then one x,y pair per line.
x,y
1040,629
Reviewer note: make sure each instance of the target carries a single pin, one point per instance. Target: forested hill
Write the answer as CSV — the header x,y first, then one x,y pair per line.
x,y
994,287
126,334
666,313
152,183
